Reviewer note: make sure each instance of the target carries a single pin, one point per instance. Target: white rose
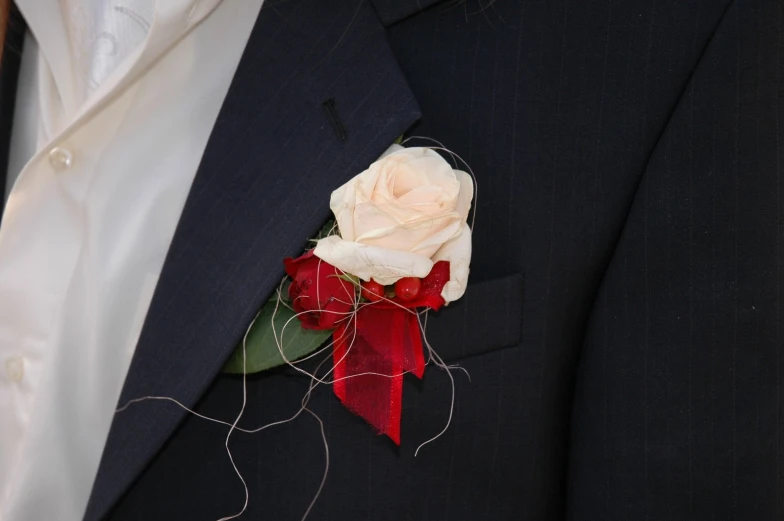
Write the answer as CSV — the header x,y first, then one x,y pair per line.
x,y
400,216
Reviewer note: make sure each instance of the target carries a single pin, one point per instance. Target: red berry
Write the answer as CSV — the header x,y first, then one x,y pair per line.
x,y
408,288
372,290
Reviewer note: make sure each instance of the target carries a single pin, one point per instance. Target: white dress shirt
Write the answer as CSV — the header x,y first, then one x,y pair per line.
x,y
116,101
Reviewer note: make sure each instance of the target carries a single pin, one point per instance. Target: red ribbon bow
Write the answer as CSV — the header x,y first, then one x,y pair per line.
x,y
375,346
374,349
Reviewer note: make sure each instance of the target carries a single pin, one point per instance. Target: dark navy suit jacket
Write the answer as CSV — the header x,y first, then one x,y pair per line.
x,y
622,326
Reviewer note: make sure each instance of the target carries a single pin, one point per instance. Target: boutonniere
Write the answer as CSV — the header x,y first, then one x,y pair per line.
x,y
399,246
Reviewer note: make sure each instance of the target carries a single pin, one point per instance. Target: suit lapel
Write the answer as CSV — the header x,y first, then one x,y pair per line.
x,y
275,154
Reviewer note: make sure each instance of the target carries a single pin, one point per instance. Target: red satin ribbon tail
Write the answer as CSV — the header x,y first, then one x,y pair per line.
x,y
371,353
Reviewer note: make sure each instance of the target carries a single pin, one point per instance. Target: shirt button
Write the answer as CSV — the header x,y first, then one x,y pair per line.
x,y
60,158
14,368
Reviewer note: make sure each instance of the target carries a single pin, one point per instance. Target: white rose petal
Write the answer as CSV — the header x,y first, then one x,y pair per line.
x,y
405,212
458,253
342,203
423,237
370,262
466,194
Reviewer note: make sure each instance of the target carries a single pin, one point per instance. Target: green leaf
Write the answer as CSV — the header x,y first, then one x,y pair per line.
x,y
261,350
349,278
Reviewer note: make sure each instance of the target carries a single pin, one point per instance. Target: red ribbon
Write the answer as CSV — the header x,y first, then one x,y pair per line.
x,y
383,339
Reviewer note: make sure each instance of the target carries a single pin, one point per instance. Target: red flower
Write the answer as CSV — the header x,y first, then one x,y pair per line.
x,y
318,292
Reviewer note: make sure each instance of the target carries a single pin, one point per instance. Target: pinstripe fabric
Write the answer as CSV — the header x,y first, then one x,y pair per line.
x,y
621,145
254,200
678,407
558,106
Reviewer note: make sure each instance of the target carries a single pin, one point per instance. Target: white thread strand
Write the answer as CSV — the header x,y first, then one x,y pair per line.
x,y
237,420
315,380
326,465
440,363
454,155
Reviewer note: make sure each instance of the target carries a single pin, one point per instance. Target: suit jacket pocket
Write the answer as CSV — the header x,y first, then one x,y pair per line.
x,y
488,317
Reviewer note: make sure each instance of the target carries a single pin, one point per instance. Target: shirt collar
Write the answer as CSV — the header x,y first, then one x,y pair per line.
x,y
172,20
